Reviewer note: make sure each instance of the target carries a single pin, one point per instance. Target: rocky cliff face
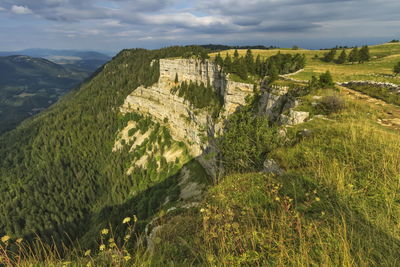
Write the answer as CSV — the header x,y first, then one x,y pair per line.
x,y
196,127
193,126
277,103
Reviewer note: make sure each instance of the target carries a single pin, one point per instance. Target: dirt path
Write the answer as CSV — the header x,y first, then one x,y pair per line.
x,y
392,111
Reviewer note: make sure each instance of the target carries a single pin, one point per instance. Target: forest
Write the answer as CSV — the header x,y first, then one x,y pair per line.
x,y
246,66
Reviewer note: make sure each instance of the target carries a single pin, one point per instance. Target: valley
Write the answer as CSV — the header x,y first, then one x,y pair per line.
x,y
28,85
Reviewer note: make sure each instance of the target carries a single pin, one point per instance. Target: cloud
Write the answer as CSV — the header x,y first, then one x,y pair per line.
x,y
20,10
2,9
137,22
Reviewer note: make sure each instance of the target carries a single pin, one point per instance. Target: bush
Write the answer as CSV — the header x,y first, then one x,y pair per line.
x,y
325,80
246,141
331,104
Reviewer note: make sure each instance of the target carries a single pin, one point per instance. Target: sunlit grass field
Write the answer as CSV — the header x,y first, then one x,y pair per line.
x,y
380,68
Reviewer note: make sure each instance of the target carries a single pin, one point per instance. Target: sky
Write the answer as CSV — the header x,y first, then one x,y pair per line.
x,y
112,25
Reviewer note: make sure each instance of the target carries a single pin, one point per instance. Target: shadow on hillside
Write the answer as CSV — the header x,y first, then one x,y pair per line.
x,y
363,237
145,205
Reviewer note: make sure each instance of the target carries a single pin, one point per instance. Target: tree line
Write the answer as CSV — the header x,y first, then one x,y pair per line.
x,y
355,55
245,66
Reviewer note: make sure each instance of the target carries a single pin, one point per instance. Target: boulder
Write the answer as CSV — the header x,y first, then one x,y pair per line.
x,y
270,166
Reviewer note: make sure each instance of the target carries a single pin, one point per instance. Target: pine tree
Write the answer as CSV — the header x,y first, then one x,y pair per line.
x,y
218,60
328,57
176,78
228,63
250,62
258,65
342,58
396,68
354,55
273,73
364,54
236,54
325,80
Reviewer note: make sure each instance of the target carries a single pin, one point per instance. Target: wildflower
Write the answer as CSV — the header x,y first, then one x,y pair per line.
x,y
317,199
277,199
202,210
111,240
127,237
104,231
135,219
19,240
5,238
89,264
127,258
87,253
322,213
126,220
102,247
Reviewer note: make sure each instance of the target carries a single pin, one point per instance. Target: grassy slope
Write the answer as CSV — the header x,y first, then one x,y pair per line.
x,y
336,204
384,58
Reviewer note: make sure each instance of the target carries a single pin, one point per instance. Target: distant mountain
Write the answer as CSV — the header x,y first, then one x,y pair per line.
x,y
72,59
29,85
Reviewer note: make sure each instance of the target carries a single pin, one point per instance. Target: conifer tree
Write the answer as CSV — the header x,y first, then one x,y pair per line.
x,y
236,54
328,57
325,80
258,65
364,54
396,68
250,62
176,78
273,73
354,55
218,60
228,63
342,57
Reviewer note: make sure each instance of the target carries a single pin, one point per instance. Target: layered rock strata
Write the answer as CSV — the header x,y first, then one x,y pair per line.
x,y
193,126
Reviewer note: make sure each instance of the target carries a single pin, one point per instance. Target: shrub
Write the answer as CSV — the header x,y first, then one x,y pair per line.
x,y
325,80
396,68
331,104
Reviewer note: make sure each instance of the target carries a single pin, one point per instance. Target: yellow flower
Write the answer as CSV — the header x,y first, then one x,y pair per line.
x,y
202,210
127,258
127,237
104,231
5,238
277,199
87,253
102,247
111,240
19,240
317,199
135,219
126,220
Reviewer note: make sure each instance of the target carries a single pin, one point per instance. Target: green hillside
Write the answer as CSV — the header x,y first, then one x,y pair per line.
x,y
29,85
334,201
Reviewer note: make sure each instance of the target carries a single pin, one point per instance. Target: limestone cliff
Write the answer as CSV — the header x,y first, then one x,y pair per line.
x,y
193,126
278,104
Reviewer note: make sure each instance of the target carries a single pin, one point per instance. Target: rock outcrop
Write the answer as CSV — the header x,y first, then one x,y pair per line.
x,y
193,126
